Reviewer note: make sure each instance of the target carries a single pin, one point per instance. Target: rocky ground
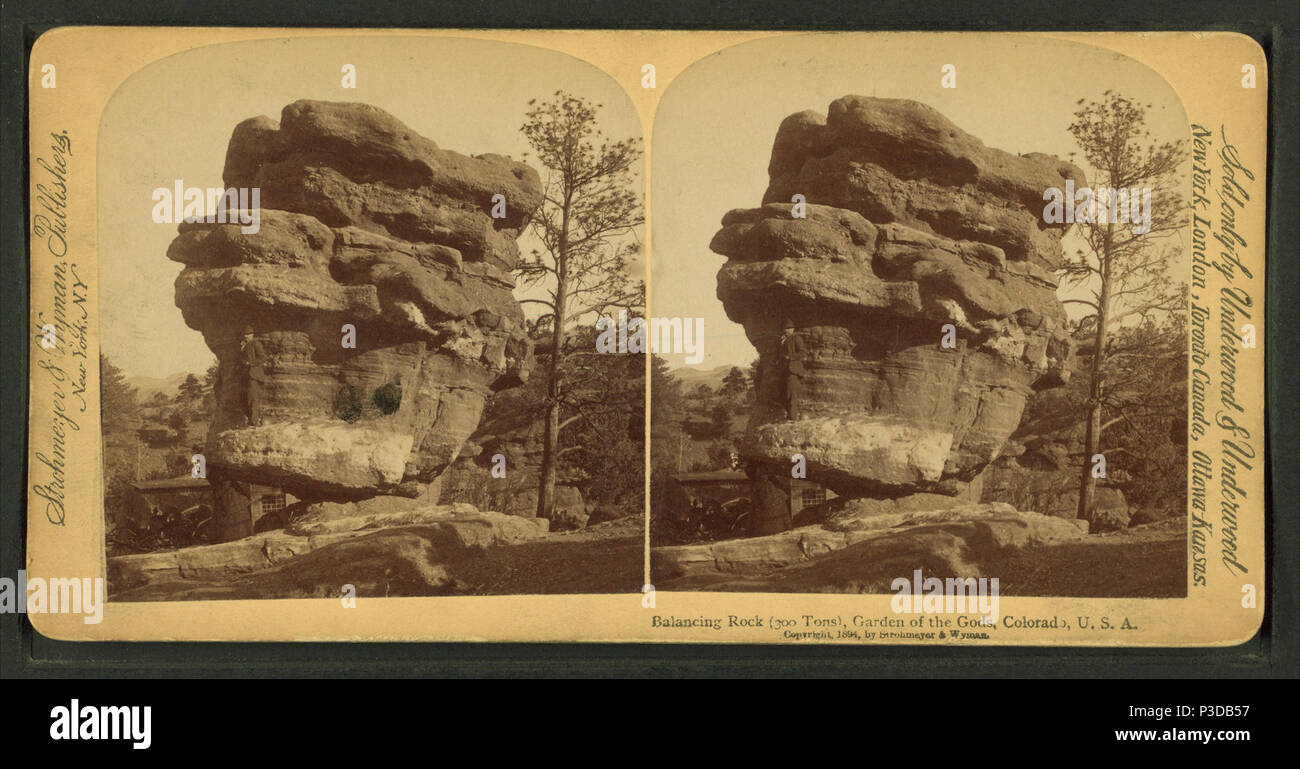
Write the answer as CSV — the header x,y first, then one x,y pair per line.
x,y
438,550
456,550
1146,561
1030,554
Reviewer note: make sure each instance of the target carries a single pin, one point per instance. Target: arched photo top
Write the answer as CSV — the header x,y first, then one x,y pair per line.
x,y
173,119
715,125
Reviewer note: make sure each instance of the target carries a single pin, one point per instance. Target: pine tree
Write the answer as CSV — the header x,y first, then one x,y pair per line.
x,y
1123,270
117,399
587,225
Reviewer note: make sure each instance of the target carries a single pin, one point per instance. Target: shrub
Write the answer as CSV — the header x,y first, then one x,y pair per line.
x,y
347,405
389,397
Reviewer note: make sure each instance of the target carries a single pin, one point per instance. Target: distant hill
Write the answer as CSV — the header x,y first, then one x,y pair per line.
x,y
147,386
690,377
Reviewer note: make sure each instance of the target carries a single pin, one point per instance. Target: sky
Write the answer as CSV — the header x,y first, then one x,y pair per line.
x,y
714,128
173,120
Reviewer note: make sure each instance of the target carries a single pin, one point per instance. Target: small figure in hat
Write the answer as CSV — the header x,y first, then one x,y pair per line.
x,y
793,352
252,362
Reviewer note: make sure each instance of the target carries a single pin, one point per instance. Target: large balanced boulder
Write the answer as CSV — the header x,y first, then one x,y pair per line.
x,y
885,231
364,226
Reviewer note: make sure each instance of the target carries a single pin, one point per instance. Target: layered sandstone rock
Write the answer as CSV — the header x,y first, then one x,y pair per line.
x,y
910,224
363,222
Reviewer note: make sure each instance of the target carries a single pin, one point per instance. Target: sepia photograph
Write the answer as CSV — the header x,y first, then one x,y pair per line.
x,y
347,345
941,355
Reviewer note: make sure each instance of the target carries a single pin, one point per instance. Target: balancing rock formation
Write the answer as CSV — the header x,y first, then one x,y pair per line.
x,y
363,222
910,224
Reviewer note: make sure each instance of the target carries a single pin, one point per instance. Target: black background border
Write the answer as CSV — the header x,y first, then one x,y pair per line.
x,y
1273,653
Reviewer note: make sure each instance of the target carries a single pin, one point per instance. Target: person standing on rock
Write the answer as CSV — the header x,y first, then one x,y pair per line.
x,y
793,352
252,362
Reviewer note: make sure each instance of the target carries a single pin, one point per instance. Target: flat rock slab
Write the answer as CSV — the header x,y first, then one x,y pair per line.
x,y
429,532
952,540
